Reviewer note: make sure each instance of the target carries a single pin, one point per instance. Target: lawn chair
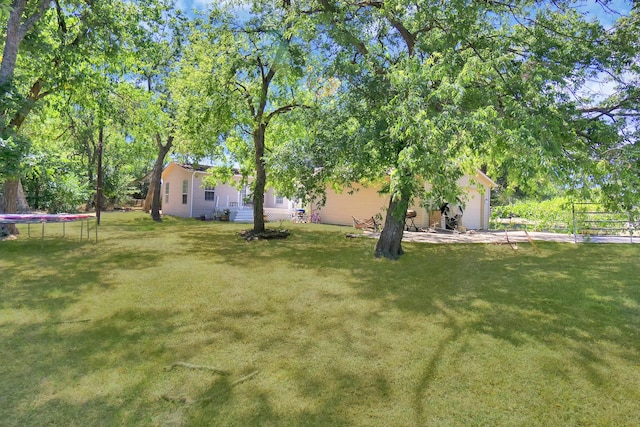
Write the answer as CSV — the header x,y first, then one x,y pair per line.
x,y
367,224
299,216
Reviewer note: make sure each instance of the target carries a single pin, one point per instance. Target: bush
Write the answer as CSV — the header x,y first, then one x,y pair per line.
x,y
64,194
548,215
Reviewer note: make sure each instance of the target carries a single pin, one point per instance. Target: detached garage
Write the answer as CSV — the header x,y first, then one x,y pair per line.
x,y
366,202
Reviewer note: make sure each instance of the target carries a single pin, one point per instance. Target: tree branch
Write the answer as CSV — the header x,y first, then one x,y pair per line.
x,y
35,94
247,96
282,110
611,111
61,22
30,21
351,39
409,39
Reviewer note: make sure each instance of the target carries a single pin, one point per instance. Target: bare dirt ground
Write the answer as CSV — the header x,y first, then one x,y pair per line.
x,y
515,236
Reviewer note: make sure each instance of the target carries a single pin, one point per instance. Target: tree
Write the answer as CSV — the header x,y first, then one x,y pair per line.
x,y
52,173
618,165
66,37
239,76
60,172
431,90
20,22
160,51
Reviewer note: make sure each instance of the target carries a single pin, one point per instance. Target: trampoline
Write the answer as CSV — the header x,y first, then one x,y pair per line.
x,y
35,218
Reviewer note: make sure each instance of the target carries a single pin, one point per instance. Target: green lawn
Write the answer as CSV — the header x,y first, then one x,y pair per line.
x,y
313,330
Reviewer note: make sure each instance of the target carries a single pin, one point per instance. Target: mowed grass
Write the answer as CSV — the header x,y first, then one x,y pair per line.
x,y
312,330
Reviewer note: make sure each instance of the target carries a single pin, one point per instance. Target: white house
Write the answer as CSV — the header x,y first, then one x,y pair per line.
x,y
366,202
185,195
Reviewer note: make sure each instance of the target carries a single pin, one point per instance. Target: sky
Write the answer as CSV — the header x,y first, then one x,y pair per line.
x,y
607,14
189,5
589,6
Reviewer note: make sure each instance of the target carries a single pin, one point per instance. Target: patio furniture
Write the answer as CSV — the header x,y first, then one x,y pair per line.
x,y
299,216
367,224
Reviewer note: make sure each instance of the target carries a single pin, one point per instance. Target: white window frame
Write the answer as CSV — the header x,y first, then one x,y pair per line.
x,y
185,191
210,191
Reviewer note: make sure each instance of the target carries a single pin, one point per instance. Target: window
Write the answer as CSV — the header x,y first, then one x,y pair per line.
x,y
279,199
209,193
185,187
166,193
245,197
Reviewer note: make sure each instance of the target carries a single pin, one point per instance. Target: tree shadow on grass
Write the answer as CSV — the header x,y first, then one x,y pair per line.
x,y
556,289
225,403
579,301
561,296
81,373
305,249
54,279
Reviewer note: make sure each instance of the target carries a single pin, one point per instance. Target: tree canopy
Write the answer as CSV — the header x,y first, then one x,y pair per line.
x,y
307,93
430,91
239,75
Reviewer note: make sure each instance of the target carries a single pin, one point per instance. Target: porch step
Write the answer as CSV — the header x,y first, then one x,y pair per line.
x,y
244,216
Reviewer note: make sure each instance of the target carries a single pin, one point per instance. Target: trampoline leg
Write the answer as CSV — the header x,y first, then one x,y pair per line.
x,y
42,238
29,229
63,229
81,229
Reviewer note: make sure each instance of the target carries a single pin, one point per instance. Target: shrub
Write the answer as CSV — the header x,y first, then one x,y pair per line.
x,y
548,215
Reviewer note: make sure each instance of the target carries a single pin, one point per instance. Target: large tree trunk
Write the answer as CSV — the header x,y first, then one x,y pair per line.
x,y
148,201
14,199
12,42
22,204
10,203
260,179
155,187
17,28
390,242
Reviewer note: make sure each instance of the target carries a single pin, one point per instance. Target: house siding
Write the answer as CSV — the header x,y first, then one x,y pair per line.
x,y
270,201
200,205
366,202
471,218
477,207
363,203
341,207
174,205
225,195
